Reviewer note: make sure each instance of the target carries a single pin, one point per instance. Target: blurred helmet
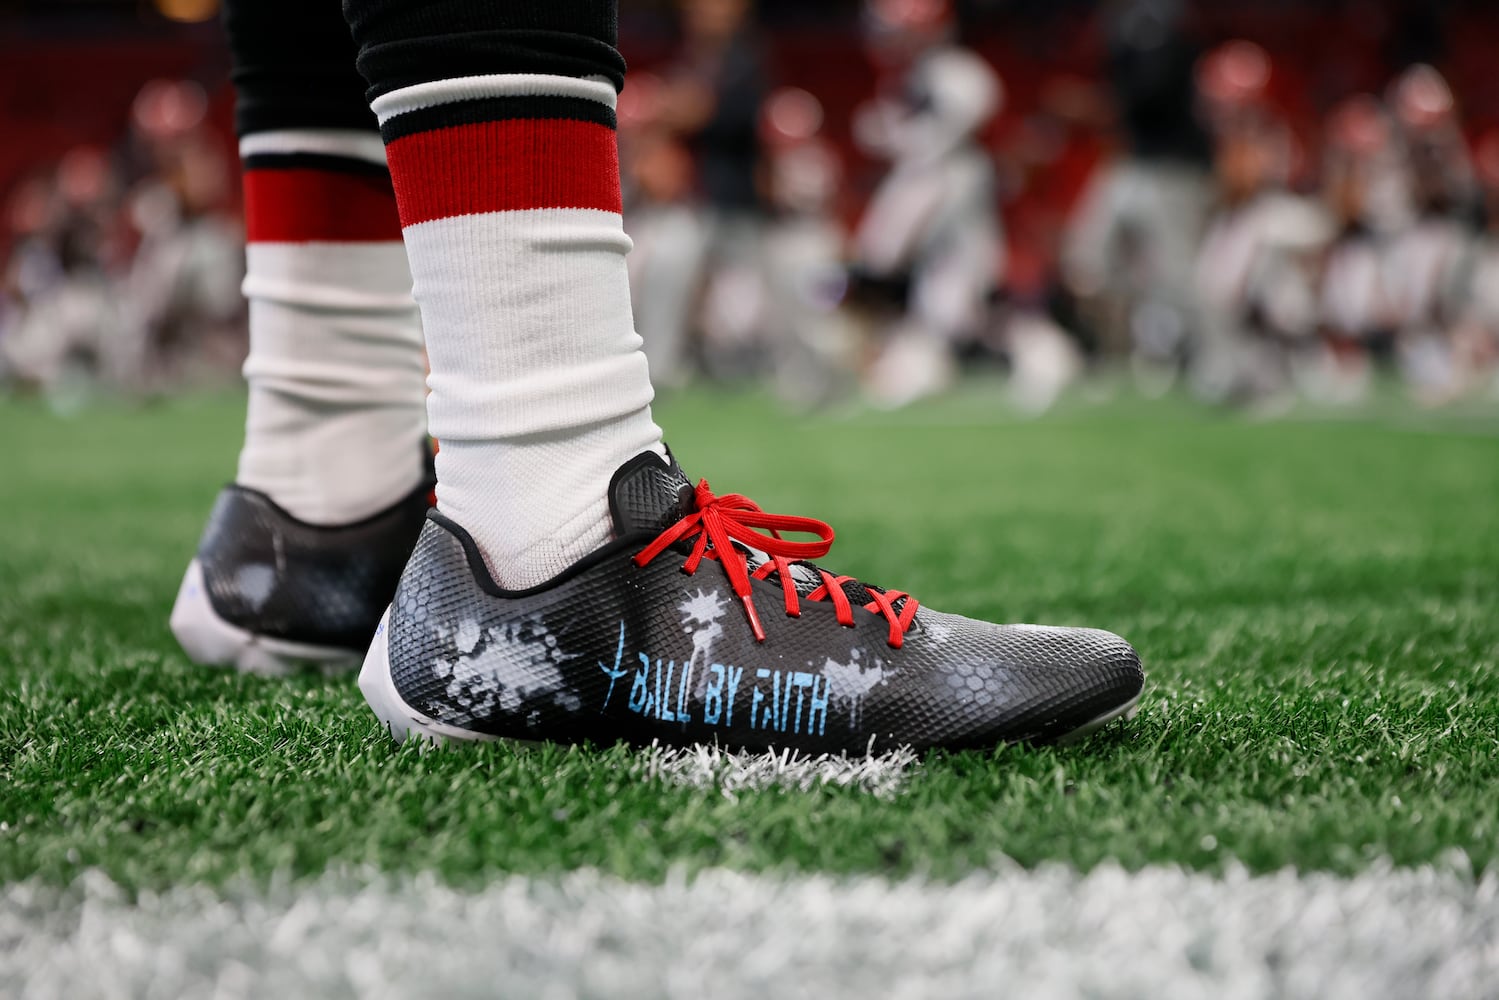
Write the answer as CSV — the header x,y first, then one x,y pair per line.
x,y
908,16
84,176
1437,158
1358,127
959,89
1422,100
165,109
639,102
898,30
1235,75
790,116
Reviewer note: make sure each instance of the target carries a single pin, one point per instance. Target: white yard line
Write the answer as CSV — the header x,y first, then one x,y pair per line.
x,y
1157,933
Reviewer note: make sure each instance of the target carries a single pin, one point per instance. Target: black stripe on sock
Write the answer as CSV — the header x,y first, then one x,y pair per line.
x,y
490,109
315,161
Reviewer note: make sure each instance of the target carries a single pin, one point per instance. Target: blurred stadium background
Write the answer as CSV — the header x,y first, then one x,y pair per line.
x,y
1013,290
1261,202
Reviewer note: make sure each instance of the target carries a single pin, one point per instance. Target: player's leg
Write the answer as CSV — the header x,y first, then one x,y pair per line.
x,y
302,553
510,199
574,584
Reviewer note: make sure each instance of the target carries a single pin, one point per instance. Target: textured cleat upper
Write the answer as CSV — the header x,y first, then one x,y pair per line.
x,y
616,649
274,576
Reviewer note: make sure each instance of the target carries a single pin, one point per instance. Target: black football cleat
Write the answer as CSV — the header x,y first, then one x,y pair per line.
x,y
269,594
699,624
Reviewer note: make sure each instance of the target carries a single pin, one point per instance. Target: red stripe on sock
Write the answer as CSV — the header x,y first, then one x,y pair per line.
x,y
319,206
504,166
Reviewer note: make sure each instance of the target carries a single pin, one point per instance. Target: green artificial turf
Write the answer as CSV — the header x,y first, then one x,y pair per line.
x,y
1316,602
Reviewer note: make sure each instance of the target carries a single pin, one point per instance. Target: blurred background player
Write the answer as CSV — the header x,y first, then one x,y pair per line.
x,y
665,220
1355,313
1130,245
1476,332
699,167
813,347
752,288
1254,267
184,283
1427,257
929,251
64,327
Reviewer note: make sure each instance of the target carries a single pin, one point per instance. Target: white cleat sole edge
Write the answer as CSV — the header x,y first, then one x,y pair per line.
x,y
402,721
1126,712
398,718
208,639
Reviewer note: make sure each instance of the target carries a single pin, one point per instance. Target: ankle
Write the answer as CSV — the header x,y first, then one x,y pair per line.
x,y
537,504
325,465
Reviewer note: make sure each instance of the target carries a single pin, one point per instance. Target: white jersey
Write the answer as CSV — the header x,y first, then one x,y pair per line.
x,y
1352,298
1423,274
935,216
1254,262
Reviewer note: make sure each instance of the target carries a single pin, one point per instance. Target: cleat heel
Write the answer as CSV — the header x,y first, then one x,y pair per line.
x,y
210,640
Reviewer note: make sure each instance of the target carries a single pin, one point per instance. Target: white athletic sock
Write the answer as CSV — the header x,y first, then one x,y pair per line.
x,y
336,421
508,188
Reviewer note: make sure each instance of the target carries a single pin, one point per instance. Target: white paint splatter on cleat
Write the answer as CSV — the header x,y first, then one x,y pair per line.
x,y
400,719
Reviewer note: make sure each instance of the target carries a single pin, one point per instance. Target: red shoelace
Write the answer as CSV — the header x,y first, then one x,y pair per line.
x,y
720,521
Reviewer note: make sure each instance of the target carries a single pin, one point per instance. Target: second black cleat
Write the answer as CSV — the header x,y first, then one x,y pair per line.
x,y
701,624
269,594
